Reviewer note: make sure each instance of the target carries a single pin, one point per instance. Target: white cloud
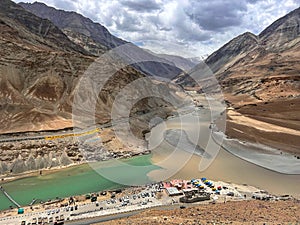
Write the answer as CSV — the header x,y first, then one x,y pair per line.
x,y
183,27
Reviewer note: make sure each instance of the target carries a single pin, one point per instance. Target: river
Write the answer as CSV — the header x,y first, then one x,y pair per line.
x,y
74,181
165,162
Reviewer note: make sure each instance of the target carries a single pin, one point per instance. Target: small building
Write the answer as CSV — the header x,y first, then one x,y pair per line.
x,y
173,191
195,198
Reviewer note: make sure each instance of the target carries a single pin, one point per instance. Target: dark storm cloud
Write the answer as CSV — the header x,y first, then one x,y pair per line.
x,y
216,15
141,5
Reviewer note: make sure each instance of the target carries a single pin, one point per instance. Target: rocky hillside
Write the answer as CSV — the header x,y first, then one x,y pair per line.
x,y
96,39
40,69
259,76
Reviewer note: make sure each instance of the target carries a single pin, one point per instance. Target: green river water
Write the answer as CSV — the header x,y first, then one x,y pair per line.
x,y
75,180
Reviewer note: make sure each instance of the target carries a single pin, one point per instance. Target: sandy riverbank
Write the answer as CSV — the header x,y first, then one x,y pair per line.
x,y
275,124
11,177
261,155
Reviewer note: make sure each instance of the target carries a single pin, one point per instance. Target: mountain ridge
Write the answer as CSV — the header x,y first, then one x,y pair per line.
x,y
70,20
41,31
79,28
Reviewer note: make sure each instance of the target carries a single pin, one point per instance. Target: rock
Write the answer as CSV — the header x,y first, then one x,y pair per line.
x,y
30,163
65,160
18,166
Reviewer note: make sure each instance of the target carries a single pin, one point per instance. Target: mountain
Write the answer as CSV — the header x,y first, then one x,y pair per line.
x,y
232,52
259,77
96,39
33,30
40,70
48,84
72,21
184,64
283,33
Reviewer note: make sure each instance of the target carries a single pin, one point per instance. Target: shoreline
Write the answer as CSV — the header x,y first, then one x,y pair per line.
x,y
255,161
35,173
5,178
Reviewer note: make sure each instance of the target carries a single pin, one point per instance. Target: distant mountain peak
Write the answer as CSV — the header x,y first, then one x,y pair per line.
x,y
183,63
73,21
231,51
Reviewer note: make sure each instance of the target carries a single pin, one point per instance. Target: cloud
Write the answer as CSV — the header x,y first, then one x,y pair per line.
x,y
183,27
67,4
141,5
215,15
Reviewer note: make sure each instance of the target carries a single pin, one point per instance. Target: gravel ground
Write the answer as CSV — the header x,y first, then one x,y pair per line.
x,y
241,212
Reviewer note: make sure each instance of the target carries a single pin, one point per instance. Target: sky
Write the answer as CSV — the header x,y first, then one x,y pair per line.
x,y
190,28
